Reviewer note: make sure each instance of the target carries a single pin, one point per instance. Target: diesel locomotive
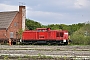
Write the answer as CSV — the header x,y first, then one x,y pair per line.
x,y
45,35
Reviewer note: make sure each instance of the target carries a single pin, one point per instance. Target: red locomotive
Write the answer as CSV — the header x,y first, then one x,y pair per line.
x,y
45,35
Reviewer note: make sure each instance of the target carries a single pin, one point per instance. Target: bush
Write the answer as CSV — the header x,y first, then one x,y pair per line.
x,y
80,37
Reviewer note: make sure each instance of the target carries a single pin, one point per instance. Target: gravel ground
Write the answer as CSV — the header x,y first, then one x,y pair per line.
x,y
53,51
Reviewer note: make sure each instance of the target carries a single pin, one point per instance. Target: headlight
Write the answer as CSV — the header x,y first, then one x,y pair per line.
x,y
64,40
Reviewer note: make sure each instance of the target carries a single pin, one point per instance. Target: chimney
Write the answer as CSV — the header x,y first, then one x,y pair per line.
x,y
22,17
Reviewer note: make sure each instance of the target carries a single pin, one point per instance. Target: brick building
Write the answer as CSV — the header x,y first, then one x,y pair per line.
x,y
10,23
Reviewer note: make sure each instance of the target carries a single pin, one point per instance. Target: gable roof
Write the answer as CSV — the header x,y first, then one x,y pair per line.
x,y
6,18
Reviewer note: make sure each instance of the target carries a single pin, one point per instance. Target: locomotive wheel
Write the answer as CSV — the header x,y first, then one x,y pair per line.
x,y
49,43
66,43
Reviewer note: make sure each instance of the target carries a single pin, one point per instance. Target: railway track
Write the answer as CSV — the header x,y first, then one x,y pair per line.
x,y
75,51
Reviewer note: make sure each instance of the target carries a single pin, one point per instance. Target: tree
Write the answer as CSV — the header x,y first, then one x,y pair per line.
x,y
20,33
32,25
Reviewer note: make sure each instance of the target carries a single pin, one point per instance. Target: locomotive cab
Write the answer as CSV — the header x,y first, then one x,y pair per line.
x,y
62,36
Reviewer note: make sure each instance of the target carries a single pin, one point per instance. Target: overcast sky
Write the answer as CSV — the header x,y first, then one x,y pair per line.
x,y
51,11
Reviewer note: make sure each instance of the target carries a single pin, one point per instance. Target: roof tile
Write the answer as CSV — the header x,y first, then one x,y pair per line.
x,y
6,18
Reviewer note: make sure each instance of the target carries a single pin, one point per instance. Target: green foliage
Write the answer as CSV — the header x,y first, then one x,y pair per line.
x,y
32,25
80,37
20,33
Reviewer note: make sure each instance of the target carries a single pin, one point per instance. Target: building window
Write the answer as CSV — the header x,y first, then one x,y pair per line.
x,y
11,35
15,24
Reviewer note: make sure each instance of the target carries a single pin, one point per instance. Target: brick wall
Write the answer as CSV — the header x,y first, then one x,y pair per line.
x,y
14,27
3,34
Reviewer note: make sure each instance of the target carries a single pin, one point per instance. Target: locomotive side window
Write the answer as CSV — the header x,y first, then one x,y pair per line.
x,y
41,30
61,34
57,34
38,30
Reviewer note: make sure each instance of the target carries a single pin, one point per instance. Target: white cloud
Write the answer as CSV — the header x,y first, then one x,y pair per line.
x,y
82,3
43,14
5,7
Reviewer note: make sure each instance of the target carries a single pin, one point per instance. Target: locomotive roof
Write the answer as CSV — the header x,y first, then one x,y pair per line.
x,y
6,18
41,28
